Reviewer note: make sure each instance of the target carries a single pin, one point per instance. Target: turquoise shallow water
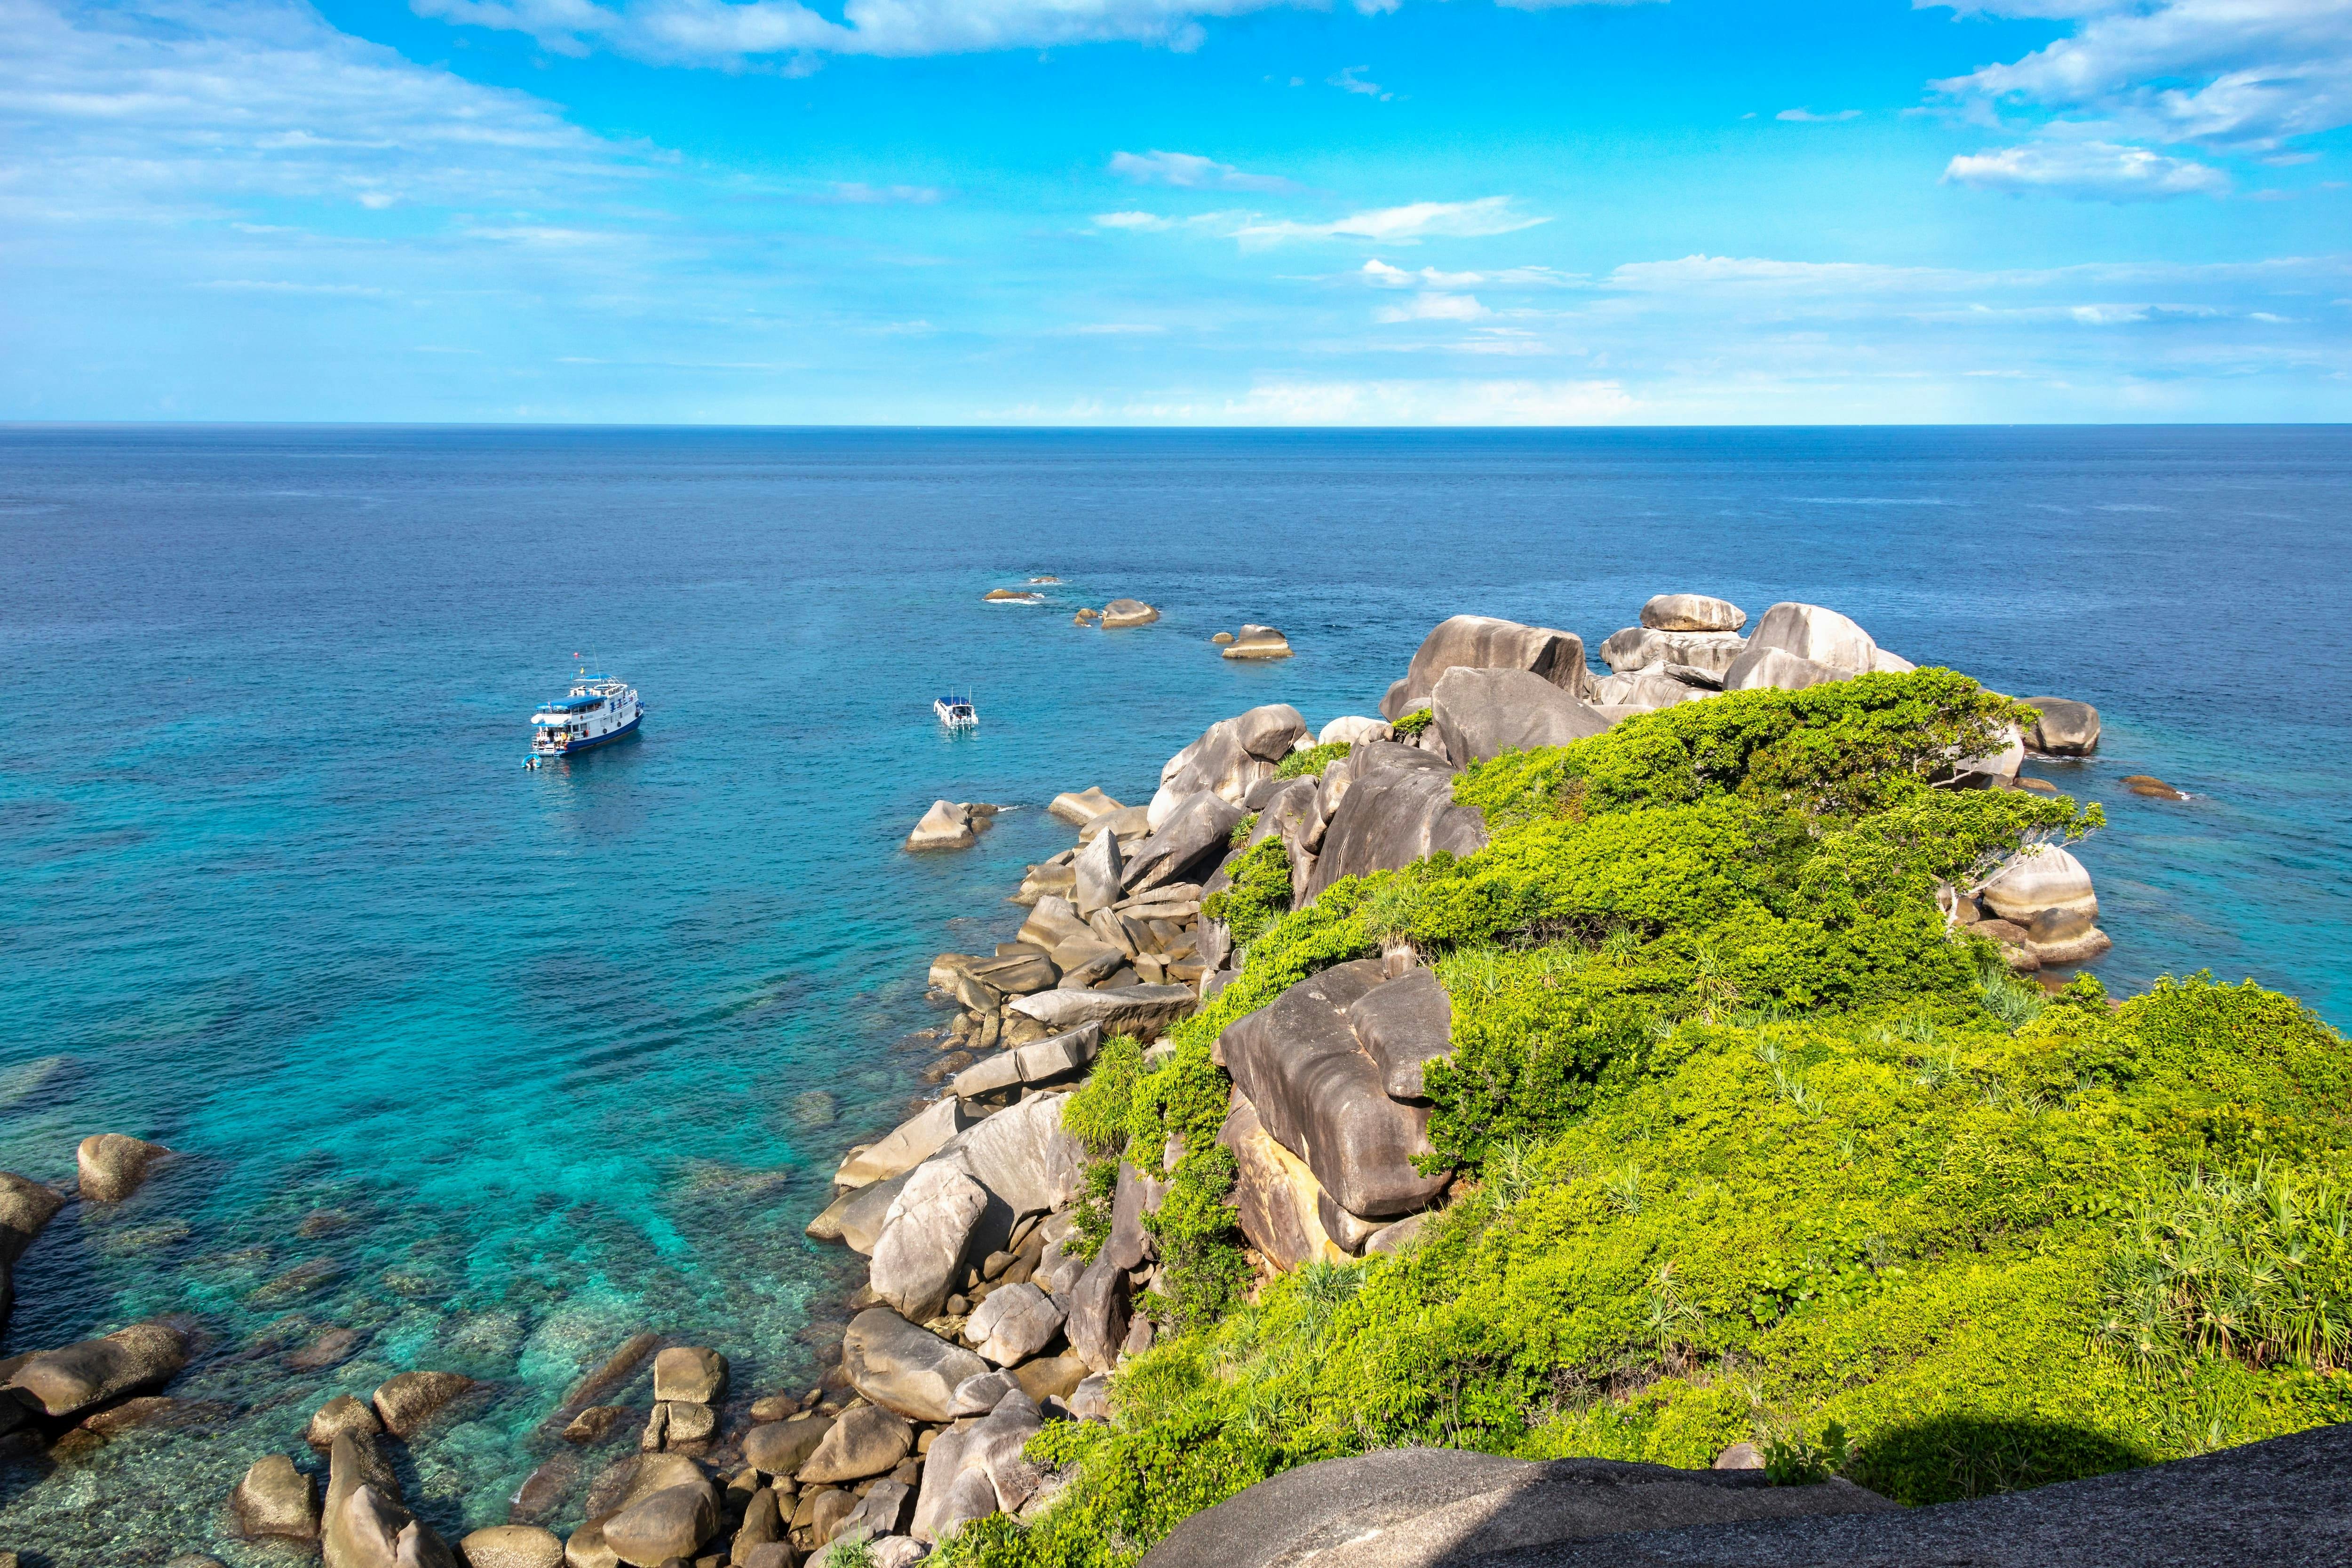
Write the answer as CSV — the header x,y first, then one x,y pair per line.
x,y
495,1066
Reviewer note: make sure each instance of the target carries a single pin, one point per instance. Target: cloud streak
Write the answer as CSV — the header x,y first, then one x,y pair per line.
x,y
1191,172
2095,171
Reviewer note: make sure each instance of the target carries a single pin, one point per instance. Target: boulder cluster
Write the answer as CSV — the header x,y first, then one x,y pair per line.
x,y
985,1313
1118,613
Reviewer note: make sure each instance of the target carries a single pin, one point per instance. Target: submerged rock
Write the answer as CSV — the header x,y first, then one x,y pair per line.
x,y
26,1209
511,1546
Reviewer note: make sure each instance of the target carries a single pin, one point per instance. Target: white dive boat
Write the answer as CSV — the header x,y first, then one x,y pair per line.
x,y
956,712
599,709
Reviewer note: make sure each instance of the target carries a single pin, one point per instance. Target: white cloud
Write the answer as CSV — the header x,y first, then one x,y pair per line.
x,y
2095,171
1349,79
1403,225
1191,172
1434,307
177,109
1807,117
1141,223
1381,275
857,194
2239,73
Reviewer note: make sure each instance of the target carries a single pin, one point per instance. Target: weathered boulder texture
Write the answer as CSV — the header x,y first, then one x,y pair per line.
x,y
1420,1508
1639,648
1692,613
1232,755
1398,806
2065,729
111,1167
1480,714
1185,845
904,1367
1483,643
1322,1094
2278,1501
81,1375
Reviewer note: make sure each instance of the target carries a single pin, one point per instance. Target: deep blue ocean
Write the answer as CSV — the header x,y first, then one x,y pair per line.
x,y
497,1066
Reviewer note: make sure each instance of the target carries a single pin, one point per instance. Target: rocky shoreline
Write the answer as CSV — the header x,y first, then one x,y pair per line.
x,y
1000,1293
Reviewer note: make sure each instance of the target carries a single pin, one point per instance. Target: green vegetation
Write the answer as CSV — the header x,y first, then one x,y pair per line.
x,y
1413,723
1310,762
1260,893
1753,1147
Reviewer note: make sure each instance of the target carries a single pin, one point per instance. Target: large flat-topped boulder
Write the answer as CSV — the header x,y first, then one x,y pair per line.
x,y
1484,642
1420,1508
1481,714
1646,648
1397,807
1779,669
1231,756
1322,1096
1692,613
1130,1009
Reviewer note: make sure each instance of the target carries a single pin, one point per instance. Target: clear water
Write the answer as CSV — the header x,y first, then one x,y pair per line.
x,y
519,1062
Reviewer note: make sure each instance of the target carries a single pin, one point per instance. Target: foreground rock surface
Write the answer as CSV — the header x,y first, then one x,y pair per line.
x,y
112,1166
2274,1502
1418,1508
79,1376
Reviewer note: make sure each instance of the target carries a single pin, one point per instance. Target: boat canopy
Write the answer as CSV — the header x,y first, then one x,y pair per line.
x,y
574,704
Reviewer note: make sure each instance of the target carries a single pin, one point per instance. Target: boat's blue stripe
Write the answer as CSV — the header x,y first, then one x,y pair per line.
x,y
602,739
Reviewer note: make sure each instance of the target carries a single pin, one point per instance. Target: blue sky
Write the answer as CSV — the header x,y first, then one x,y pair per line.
x,y
1071,212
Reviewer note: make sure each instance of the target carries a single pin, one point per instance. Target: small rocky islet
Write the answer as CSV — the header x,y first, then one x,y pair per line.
x,y
986,1315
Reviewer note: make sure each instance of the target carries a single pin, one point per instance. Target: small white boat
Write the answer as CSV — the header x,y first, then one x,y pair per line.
x,y
598,709
956,712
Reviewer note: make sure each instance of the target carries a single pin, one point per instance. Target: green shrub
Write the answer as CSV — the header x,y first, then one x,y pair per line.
x,y
1259,895
1413,723
1792,1460
1096,1111
1310,762
1750,1146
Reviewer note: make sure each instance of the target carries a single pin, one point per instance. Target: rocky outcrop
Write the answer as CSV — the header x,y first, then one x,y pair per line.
x,y
903,1367
1079,806
111,1167
689,1371
1483,643
1321,1095
1130,1009
1776,668
1353,729
1124,612
673,1522
1185,846
371,1529
1818,636
1230,758
2046,899
1258,643
1398,806
868,1440
1481,714
946,826
1706,653
1404,1025
2066,728
26,1209
1420,1508
1692,613
920,1257
78,1376
780,1448
1014,1324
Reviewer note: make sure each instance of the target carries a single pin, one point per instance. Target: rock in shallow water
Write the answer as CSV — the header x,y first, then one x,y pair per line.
x,y
903,1367
112,1166
689,1371
276,1498
405,1402
79,1376
513,1546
